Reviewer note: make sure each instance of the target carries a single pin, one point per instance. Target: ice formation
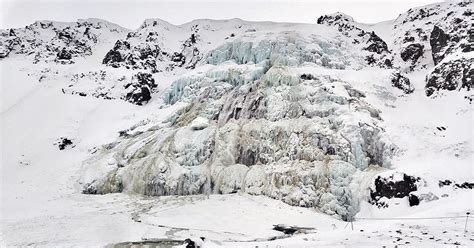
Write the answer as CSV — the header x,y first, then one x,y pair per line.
x,y
260,128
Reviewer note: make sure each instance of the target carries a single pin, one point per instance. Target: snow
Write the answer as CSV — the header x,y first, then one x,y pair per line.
x,y
307,157
199,123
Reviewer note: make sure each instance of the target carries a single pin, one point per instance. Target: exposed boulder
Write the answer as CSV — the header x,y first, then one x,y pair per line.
x,y
413,200
396,185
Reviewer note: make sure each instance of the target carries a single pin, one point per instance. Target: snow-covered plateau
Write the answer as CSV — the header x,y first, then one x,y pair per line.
x,y
230,133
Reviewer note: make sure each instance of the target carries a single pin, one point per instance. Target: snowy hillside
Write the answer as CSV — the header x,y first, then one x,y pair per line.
x,y
222,129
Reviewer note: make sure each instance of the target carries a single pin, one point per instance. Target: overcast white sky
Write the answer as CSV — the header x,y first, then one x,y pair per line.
x,y
130,14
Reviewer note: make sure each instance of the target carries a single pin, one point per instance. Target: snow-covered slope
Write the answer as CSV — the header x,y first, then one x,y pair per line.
x,y
339,119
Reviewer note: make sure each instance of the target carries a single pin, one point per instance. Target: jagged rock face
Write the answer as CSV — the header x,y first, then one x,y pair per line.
x,y
189,55
114,56
412,53
143,49
55,41
377,45
379,54
335,19
452,75
403,83
438,41
267,131
446,28
140,56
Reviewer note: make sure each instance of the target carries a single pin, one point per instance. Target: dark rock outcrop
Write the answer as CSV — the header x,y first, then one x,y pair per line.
x,y
142,56
412,52
401,82
63,143
451,75
444,28
189,55
376,44
465,185
369,41
142,50
140,89
389,187
413,200
115,56
443,183
334,19
64,54
62,43
438,41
